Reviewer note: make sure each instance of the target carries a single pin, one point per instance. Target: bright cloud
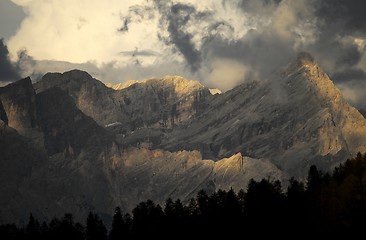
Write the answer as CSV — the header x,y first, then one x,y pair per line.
x,y
76,31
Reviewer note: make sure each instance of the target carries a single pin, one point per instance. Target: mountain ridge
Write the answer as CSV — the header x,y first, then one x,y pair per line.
x,y
92,148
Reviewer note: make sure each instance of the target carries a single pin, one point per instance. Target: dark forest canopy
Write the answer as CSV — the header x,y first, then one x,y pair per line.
x,y
327,204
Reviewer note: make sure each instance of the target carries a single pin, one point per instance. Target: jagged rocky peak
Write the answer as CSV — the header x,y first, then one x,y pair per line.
x,y
181,82
66,77
71,80
18,100
180,85
158,102
304,58
120,86
343,127
89,94
74,74
306,70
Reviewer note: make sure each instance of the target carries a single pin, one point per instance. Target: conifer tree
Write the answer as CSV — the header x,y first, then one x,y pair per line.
x,y
119,229
95,228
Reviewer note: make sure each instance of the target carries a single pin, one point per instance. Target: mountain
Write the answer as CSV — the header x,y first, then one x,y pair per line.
x,y
63,172
297,119
69,143
78,165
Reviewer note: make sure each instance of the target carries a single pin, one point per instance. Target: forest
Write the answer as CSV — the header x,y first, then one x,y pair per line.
x,y
325,205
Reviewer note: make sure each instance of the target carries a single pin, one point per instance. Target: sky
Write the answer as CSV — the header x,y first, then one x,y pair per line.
x,y
220,43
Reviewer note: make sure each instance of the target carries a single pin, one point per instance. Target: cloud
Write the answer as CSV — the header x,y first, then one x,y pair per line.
x,y
177,18
348,15
58,30
8,72
251,39
9,10
354,92
225,73
270,44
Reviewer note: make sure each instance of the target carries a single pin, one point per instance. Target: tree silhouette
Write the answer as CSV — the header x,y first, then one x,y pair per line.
x,y
95,229
32,229
70,229
264,206
120,229
10,232
147,220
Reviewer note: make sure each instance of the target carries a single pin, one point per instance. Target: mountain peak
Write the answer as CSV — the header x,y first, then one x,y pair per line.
x,y
304,58
69,75
305,73
76,73
180,84
18,101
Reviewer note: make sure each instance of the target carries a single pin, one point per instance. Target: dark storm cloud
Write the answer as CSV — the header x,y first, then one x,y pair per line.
x,y
258,7
339,23
136,13
339,19
264,52
176,18
350,74
349,13
349,56
11,16
8,72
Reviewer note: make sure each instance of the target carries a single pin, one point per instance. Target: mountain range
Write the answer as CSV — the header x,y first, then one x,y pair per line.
x,y
70,143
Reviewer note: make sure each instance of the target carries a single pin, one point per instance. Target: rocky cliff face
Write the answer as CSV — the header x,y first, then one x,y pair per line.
x,y
297,119
91,96
18,100
158,175
74,145
79,166
3,116
19,106
19,159
154,103
162,103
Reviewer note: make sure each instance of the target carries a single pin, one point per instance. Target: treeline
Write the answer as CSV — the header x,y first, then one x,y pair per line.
x,y
327,204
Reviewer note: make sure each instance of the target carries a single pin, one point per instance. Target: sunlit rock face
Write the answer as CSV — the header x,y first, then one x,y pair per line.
x,y
156,174
161,103
297,118
153,103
